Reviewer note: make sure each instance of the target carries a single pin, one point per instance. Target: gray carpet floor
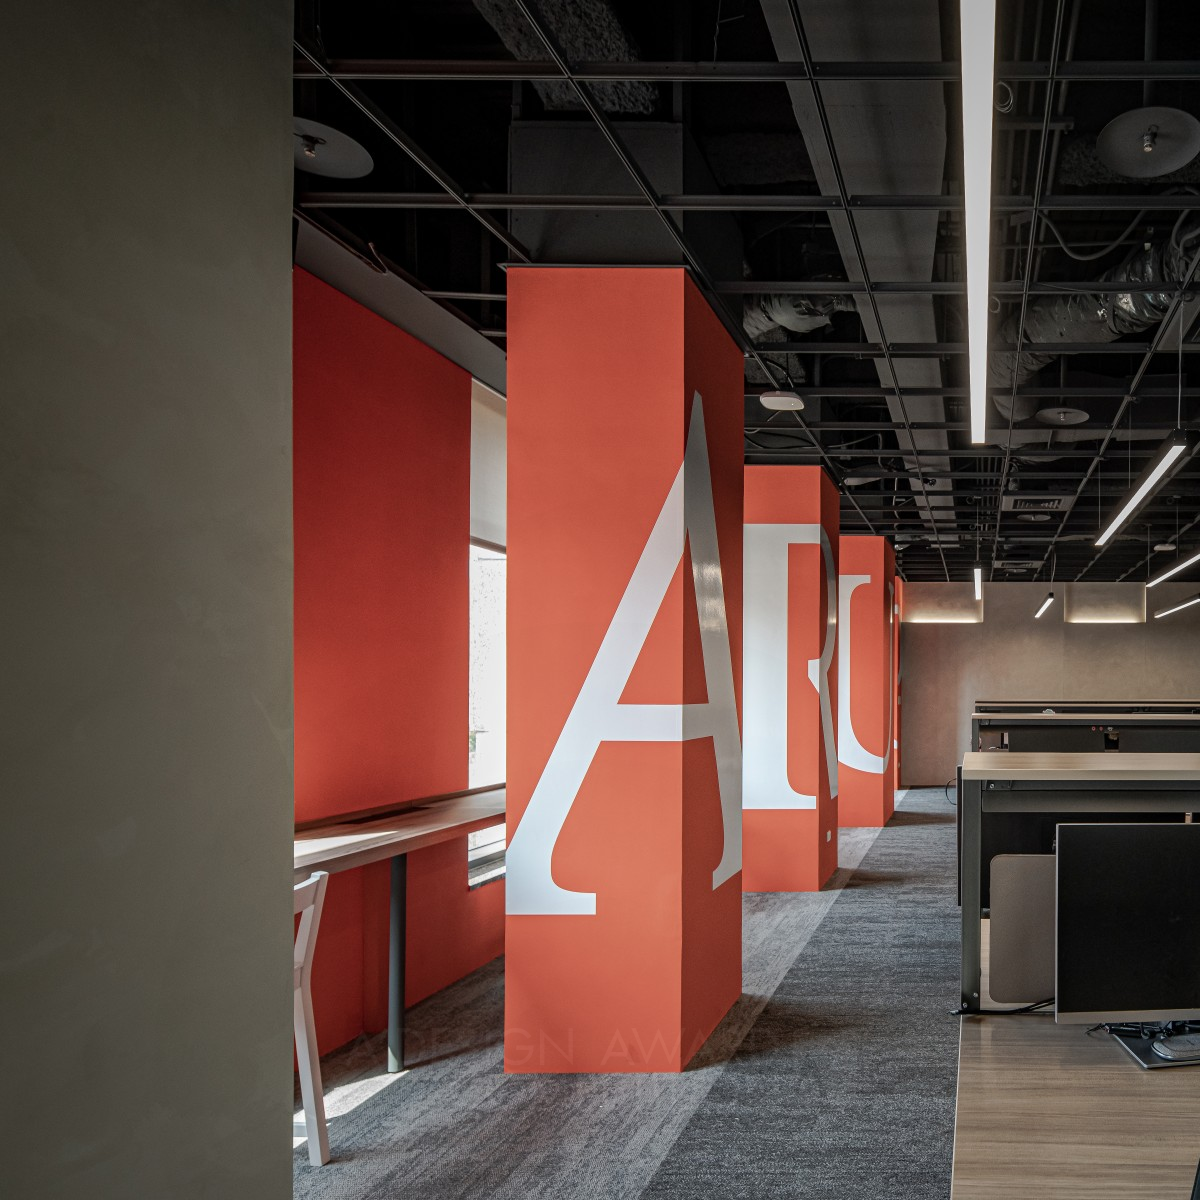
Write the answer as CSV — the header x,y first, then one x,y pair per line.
x,y
832,1076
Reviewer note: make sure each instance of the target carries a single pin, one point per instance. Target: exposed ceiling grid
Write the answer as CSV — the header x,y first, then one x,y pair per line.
x,y
808,161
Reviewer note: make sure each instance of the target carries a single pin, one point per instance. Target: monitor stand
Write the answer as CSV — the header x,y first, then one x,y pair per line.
x,y
1139,1049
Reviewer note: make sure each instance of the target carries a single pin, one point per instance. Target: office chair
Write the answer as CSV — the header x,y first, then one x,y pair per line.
x,y
309,898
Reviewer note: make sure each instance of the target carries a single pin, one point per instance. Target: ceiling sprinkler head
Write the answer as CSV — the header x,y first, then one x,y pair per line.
x,y
1149,138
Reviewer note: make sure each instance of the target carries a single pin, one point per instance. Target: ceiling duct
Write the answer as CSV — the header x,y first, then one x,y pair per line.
x,y
1098,317
765,314
587,32
889,137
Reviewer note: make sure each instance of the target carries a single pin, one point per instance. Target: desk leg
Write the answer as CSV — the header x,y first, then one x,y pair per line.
x,y
971,813
396,963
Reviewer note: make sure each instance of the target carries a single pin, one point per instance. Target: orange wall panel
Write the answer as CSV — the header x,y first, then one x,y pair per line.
x,y
623,930
790,679
867,602
381,517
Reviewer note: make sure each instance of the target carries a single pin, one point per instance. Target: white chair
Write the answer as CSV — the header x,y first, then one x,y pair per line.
x,y
309,897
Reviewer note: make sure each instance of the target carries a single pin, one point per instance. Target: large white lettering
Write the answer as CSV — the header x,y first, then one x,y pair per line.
x,y
598,716
851,752
765,781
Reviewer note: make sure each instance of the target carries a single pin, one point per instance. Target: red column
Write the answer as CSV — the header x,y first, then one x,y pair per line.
x,y
897,633
625,414
789,779
866,616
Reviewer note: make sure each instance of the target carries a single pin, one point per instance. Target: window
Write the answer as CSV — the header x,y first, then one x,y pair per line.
x,y
486,736
487,725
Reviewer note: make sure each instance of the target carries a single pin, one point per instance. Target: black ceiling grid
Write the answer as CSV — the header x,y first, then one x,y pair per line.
x,y
442,92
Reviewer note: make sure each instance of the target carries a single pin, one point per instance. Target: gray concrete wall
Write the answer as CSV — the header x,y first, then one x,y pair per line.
x,y
145,582
1010,655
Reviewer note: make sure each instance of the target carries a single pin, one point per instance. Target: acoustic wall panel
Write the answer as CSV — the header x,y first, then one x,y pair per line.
x,y
790,679
623,933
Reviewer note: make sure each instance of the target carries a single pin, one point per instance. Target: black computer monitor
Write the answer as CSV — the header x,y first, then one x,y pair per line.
x,y
1127,939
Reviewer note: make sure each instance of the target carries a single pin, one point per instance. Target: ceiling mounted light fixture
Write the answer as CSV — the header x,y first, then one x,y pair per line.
x,y
1173,569
1179,446
978,582
977,22
322,150
1145,143
1049,600
781,401
1166,612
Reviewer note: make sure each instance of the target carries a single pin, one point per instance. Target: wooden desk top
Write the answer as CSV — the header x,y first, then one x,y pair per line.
x,y
1061,768
1045,1111
1088,700
1099,718
339,847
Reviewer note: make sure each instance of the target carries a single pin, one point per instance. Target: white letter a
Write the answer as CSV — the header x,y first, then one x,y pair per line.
x,y
598,715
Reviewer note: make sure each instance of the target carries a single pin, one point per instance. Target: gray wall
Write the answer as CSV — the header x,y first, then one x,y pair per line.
x,y
1010,655
145,578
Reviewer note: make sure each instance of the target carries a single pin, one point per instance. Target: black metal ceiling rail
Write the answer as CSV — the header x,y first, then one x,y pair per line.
x,y
737,202
1034,230
945,349
1132,394
401,139
844,193
1015,289
731,321
1051,454
867,391
512,70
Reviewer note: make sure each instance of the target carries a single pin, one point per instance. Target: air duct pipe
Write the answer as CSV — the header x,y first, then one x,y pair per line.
x,y
765,313
1086,317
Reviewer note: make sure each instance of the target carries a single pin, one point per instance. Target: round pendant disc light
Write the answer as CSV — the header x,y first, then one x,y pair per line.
x,y
1145,143
323,150
1061,416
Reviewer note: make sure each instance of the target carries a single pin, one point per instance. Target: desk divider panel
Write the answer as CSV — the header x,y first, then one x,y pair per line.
x,y
866,703
790,773
623,928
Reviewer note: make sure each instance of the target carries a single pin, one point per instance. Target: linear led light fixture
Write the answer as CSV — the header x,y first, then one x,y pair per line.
x,y
1166,612
978,582
1049,600
1174,569
977,21
1168,458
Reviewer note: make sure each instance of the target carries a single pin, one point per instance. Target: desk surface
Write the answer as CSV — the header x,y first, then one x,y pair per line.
x,y
339,847
1067,702
1100,718
1060,768
1044,1110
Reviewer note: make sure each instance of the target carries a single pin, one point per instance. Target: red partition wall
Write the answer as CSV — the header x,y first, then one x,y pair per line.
x,y
790,778
381,494
866,616
623,935
897,676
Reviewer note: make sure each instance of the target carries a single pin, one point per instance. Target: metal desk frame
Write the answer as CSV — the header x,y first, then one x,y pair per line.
x,y
1017,782
393,836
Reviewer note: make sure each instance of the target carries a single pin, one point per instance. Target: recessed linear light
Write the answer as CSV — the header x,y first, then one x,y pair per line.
x,y
978,583
1174,569
1166,612
1179,445
1049,600
977,23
